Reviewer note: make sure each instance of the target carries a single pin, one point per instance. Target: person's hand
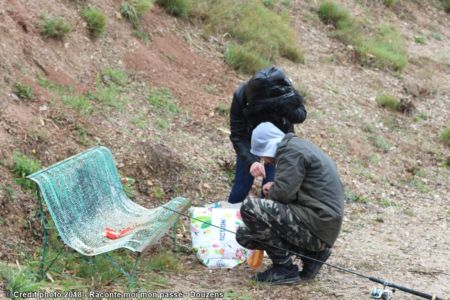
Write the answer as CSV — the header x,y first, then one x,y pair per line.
x,y
266,189
257,169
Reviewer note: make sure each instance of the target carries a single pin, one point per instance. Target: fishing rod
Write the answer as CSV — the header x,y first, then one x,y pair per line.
x,y
376,293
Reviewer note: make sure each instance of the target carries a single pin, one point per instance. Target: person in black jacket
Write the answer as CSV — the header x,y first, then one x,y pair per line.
x,y
267,97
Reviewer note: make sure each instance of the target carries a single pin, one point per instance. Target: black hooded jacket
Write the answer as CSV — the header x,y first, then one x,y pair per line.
x,y
282,112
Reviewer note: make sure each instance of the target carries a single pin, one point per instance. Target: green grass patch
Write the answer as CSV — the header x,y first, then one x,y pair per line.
x,y
446,5
179,8
164,106
444,136
244,59
237,295
79,103
420,117
222,110
162,101
387,202
18,280
82,135
388,101
419,185
347,29
112,76
109,88
352,197
107,96
163,123
22,167
390,3
23,91
384,49
330,12
164,260
380,142
158,193
55,88
419,39
133,10
96,21
140,121
259,34
69,98
54,27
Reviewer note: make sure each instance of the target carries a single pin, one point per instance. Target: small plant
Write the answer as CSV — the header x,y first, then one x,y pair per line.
x,y
380,142
389,3
355,198
444,136
22,167
158,193
419,185
78,102
346,28
82,135
420,117
388,101
179,8
23,91
387,202
96,21
331,13
133,10
419,39
163,123
162,101
139,121
54,27
222,110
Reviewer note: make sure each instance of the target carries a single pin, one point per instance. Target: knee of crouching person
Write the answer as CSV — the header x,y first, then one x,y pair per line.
x,y
242,235
246,210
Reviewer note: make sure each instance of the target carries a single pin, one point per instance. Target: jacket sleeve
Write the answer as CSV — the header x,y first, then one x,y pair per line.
x,y
240,136
289,176
297,115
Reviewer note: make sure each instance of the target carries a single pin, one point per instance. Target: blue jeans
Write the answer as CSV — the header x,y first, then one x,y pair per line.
x,y
243,181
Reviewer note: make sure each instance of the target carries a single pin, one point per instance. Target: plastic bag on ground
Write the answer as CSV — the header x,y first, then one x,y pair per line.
x,y
217,247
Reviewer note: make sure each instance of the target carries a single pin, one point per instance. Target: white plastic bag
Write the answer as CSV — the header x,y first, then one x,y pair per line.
x,y
217,247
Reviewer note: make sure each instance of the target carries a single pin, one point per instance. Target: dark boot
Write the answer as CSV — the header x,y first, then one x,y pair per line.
x,y
311,267
278,274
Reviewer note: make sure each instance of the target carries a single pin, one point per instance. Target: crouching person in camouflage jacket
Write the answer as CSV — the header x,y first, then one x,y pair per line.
x,y
305,210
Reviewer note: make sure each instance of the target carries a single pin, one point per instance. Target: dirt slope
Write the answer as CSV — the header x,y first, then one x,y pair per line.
x,y
396,226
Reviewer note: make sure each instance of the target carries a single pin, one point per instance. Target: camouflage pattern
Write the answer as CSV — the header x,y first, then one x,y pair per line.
x,y
272,226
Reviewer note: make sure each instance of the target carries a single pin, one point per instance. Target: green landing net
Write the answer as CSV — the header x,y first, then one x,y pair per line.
x,y
84,196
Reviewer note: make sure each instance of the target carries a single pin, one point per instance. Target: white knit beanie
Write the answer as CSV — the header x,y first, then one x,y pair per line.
x,y
265,140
